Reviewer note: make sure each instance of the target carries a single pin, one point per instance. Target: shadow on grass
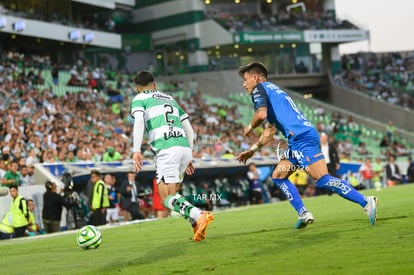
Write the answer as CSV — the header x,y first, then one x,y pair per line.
x,y
391,218
151,255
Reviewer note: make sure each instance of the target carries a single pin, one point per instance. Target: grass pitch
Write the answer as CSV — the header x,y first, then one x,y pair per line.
x,y
246,240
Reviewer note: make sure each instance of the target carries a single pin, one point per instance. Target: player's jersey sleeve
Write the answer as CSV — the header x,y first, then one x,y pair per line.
x,y
259,97
137,105
183,115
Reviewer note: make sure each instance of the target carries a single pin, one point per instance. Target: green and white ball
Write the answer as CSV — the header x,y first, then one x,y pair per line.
x,y
89,237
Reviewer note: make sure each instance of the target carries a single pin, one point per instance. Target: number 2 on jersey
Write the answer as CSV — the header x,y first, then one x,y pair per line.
x,y
169,110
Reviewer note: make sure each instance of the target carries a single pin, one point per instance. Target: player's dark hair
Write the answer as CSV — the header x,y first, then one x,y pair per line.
x,y
254,67
143,78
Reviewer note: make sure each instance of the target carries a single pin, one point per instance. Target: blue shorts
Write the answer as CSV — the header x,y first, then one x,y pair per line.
x,y
304,149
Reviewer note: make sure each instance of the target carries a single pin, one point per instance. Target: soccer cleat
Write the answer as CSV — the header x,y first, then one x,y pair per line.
x,y
371,209
200,227
304,220
195,228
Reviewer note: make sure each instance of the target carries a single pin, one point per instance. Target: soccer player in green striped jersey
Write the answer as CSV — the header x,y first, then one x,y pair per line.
x,y
171,137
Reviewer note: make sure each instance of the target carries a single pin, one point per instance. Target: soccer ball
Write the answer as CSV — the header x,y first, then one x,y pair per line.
x,y
89,237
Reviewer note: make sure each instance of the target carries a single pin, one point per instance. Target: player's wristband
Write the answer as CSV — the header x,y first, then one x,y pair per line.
x,y
254,148
249,127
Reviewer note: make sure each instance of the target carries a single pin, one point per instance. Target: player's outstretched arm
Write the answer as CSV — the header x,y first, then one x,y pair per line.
x,y
264,138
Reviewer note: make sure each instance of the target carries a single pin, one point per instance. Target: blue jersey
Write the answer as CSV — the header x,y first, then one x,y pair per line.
x,y
281,110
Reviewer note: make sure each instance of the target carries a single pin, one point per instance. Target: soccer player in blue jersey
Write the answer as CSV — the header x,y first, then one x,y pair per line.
x,y
274,107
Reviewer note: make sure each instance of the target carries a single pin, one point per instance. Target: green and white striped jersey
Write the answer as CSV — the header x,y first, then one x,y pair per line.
x,y
162,117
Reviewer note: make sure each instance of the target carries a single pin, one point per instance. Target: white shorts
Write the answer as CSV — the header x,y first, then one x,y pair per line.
x,y
171,164
112,214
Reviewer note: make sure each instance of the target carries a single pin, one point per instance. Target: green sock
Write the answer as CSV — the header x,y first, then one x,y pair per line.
x,y
180,205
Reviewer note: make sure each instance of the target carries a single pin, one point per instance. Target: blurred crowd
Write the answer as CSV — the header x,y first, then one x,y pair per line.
x,y
354,142
38,126
385,76
247,18
30,9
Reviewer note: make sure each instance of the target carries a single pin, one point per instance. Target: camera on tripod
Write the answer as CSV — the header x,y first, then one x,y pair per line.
x,y
76,216
69,194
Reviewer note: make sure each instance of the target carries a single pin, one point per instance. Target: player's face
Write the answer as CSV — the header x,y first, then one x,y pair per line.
x,y
249,81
